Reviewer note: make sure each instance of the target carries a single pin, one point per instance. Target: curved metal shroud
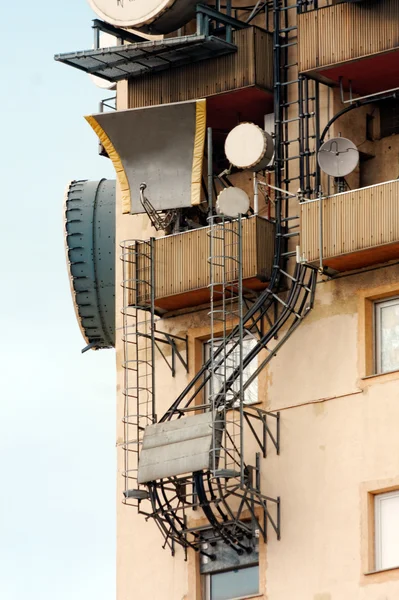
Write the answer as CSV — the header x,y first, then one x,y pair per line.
x,y
90,251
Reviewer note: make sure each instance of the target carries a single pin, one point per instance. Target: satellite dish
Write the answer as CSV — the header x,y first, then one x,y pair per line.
x,y
338,157
232,201
155,16
106,41
249,147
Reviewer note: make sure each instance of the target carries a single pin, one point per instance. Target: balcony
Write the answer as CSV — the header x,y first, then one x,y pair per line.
x,y
181,268
358,228
237,83
352,42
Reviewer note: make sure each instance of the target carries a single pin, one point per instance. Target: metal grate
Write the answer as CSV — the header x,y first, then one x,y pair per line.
x,y
122,62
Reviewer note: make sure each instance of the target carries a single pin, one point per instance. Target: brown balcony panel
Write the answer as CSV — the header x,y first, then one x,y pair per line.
x,y
182,268
356,41
247,73
360,228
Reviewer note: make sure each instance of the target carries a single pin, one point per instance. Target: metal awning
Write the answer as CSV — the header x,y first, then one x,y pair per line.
x,y
132,60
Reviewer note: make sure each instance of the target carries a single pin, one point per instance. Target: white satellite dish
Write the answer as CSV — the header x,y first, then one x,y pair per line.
x,y
158,16
232,201
249,147
106,41
338,157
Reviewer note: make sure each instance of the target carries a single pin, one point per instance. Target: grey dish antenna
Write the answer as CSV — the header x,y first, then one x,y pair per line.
x,y
232,201
338,157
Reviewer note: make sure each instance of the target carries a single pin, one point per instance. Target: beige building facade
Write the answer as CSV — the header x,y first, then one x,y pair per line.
x,y
330,382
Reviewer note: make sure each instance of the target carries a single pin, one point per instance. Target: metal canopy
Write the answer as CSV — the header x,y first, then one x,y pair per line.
x,y
133,60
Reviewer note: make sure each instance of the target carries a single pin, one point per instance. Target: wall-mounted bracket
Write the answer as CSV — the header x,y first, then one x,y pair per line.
x,y
253,414
162,337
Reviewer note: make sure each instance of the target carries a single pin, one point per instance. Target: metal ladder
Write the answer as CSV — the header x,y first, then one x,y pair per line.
x,y
296,102
138,336
226,309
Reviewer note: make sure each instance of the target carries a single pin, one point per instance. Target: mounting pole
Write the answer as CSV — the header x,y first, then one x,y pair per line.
x,y
210,170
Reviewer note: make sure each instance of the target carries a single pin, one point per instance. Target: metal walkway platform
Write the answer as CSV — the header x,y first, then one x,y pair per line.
x,y
132,60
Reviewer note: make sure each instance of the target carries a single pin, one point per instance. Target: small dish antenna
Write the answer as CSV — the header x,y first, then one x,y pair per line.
x,y
232,201
249,147
338,157
106,41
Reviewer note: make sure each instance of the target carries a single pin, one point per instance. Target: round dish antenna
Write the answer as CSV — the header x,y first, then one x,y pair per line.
x,y
232,201
338,157
154,16
106,41
249,147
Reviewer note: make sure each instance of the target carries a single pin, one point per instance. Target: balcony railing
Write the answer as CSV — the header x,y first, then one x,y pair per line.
x,y
249,69
355,229
181,266
333,39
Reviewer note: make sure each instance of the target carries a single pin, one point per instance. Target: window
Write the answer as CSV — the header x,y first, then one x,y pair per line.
x,y
228,575
233,584
232,361
386,331
386,511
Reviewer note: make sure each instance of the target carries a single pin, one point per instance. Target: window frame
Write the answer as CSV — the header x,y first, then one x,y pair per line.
x,y
378,305
378,538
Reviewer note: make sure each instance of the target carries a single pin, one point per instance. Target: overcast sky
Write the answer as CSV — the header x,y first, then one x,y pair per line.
x,y
57,421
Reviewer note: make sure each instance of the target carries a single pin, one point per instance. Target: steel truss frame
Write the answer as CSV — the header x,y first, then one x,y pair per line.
x,y
234,504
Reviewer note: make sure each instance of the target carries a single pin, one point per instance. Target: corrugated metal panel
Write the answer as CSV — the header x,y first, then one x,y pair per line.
x,y
252,64
181,260
346,31
352,221
263,59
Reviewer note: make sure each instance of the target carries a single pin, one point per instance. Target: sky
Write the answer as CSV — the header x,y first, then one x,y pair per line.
x,y
57,407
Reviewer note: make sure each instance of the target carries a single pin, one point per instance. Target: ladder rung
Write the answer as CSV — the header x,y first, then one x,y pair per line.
x,y
290,235
286,29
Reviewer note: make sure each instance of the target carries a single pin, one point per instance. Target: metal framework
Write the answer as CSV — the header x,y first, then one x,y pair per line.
x,y
230,490
141,339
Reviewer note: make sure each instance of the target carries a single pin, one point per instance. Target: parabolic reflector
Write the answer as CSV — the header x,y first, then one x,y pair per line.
x,y
232,201
338,157
155,16
249,147
161,146
89,212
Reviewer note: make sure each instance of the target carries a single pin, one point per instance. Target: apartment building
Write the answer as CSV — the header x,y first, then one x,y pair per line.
x,y
245,266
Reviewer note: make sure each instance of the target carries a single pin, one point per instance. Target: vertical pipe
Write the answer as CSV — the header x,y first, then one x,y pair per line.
x,y
306,134
152,284
210,171
241,335
229,29
96,37
212,341
317,134
321,231
200,23
301,137
278,111
256,194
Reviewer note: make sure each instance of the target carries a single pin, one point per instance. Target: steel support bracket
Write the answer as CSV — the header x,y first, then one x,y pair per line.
x,y
162,337
252,414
